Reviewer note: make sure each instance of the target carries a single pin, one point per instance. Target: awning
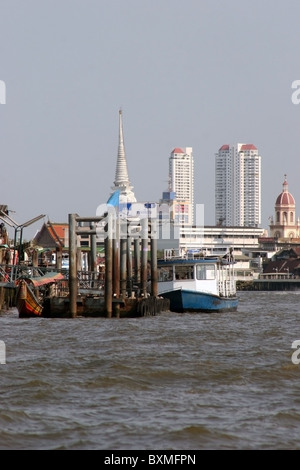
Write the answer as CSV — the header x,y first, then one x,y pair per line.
x,y
46,279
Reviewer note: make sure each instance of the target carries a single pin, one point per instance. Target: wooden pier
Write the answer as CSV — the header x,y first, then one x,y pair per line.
x,y
126,288
127,278
86,306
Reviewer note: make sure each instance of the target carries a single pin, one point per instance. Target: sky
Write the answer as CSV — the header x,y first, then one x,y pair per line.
x,y
186,73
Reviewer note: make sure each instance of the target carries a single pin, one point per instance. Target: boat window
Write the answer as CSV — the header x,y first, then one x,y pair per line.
x,y
205,271
184,272
165,274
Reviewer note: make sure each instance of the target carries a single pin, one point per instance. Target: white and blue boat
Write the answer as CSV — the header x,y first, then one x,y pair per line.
x,y
198,284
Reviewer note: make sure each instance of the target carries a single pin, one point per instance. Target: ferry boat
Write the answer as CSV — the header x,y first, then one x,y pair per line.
x,y
197,284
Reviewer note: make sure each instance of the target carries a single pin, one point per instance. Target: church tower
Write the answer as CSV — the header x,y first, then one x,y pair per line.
x,y
121,177
285,224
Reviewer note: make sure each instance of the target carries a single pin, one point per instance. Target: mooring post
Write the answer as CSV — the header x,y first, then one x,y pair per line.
x,y
129,267
153,235
144,257
123,266
108,292
93,248
73,288
93,257
78,259
137,264
116,268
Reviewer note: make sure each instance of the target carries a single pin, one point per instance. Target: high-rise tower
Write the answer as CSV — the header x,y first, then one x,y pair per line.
x,y
121,177
238,186
181,182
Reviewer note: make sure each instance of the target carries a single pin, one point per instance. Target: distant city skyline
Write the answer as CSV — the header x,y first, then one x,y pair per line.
x,y
237,178
181,177
196,74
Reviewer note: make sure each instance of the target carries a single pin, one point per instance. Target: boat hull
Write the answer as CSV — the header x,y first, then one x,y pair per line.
x,y
26,302
182,301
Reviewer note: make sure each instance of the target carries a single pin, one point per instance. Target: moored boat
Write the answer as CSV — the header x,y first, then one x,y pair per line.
x,y
29,299
203,284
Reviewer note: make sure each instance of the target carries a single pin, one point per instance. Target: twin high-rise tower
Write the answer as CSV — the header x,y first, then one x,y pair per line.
x,y
237,185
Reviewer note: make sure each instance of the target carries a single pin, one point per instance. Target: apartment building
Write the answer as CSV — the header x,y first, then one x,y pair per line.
x,y
238,186
181,184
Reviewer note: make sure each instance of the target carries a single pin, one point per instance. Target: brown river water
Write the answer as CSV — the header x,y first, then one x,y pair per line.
x,y
171,381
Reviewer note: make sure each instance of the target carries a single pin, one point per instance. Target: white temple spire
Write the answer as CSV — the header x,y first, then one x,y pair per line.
x,y
121,177
121,169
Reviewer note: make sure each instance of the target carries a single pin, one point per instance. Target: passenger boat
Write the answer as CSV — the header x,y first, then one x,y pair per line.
x,y
29,294
202,284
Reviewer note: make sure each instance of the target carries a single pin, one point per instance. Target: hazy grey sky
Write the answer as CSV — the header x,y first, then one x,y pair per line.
x,y
186,73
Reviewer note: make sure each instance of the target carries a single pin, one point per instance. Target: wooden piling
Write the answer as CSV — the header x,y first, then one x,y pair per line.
x,y
144,256
123,266
118,285
108,290
153,251
73,288
137,262
116,270
129,267
93,252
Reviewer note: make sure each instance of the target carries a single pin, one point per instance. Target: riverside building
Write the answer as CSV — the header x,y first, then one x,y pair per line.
x,y
238,186
181,185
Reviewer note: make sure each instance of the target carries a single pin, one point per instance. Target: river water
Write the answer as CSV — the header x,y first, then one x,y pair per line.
x,y
171,381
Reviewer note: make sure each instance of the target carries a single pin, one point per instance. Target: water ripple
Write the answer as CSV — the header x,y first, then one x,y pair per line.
x,y
173,381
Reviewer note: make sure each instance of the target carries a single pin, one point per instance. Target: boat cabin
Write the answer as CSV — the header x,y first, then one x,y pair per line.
x,y
207,274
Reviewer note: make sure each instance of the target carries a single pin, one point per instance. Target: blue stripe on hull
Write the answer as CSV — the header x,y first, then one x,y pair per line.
x,y
189,301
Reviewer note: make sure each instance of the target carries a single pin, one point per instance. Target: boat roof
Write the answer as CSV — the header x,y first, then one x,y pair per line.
x,y
46,279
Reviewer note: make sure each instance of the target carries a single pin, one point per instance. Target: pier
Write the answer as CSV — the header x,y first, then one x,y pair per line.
x,y
273,283
126,288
